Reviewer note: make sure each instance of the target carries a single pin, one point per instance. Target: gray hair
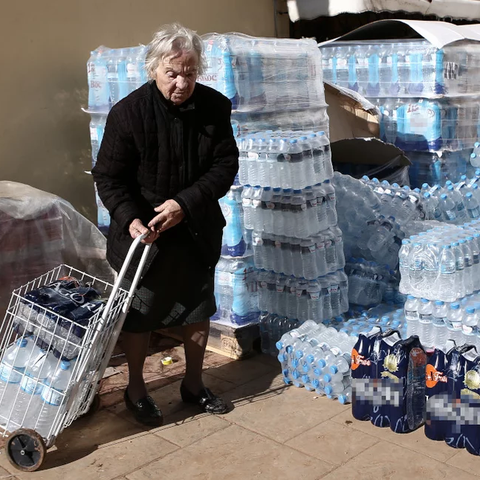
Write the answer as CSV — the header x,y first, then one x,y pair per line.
x,y
169,41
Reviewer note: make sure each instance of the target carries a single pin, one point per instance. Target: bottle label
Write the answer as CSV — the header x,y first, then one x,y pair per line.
x,y
438,321
9,374
30,385
425,317
51,396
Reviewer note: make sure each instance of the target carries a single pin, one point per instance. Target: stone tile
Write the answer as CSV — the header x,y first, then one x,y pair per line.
x,y
388,461
281,413
269,360
5,474
105,463
96,431
217,385
416,441
332,442
465,461
242,371
187,426
236,454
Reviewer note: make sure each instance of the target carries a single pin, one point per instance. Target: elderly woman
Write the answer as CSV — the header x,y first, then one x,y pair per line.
x,y
168,154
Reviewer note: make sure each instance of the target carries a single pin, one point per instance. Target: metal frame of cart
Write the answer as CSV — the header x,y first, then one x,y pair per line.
x,y
89,347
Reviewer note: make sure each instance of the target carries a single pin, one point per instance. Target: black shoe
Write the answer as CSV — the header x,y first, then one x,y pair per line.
x,y
145,410
206,400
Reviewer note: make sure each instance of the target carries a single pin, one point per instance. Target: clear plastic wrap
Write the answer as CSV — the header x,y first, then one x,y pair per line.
x,y
40,231
264,74
403,68
418,124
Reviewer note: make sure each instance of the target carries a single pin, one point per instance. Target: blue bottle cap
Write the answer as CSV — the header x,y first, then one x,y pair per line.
x,y
328,390
470,310
327,378
333,369
342,399
65,365
322,363
455,306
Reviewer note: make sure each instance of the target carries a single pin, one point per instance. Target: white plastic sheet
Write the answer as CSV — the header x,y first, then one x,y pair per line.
x,y
39,231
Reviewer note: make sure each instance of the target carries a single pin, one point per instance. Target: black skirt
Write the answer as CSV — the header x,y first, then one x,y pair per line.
x,y
177,288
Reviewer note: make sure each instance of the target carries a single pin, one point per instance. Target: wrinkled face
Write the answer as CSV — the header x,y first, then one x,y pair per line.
x,y
176,76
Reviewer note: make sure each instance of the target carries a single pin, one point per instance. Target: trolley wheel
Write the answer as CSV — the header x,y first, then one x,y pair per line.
x,y
25,450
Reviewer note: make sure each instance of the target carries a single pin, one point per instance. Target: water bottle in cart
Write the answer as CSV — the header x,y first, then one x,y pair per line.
x,y
11,370
39,367
54,398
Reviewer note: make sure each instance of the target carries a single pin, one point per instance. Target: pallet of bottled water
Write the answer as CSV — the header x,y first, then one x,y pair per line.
x,y
236,291
264,74
285,159
402,68
301,299
442,263
114,73
318,358
430,125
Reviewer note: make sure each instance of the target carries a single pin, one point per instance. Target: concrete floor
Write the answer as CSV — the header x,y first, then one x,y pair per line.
x,y
273,432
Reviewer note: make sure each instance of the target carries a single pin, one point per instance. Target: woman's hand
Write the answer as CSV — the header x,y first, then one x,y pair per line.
x,y
137,228
170,213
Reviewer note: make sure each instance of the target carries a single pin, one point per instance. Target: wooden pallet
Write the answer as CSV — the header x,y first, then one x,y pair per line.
x,y
230,341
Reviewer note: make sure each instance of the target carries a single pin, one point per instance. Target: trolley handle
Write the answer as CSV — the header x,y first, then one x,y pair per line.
x,y
121,275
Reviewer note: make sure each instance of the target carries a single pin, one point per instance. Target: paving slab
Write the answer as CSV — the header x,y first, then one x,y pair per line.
x,y
387,461
281,413
237,454
332,443
416,441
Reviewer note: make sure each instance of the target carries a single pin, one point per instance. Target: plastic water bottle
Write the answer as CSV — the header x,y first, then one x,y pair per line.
x,y
445,285
272,153
403,263
448,208
133,75
296,165
425,316
412,315
455,322
472,206
28,404
233,232
439,322
98,93
330,197
308,168
298,218
12,368
54,398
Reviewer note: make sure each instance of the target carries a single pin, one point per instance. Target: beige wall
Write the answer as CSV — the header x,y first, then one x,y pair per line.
x,y
44,136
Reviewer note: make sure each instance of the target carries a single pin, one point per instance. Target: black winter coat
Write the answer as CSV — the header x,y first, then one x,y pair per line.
x,y
153,151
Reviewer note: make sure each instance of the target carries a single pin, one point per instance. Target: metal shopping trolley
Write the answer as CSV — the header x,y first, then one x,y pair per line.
x,y
34,412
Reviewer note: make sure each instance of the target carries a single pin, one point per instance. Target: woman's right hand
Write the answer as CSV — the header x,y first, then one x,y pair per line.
x,y
137,228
